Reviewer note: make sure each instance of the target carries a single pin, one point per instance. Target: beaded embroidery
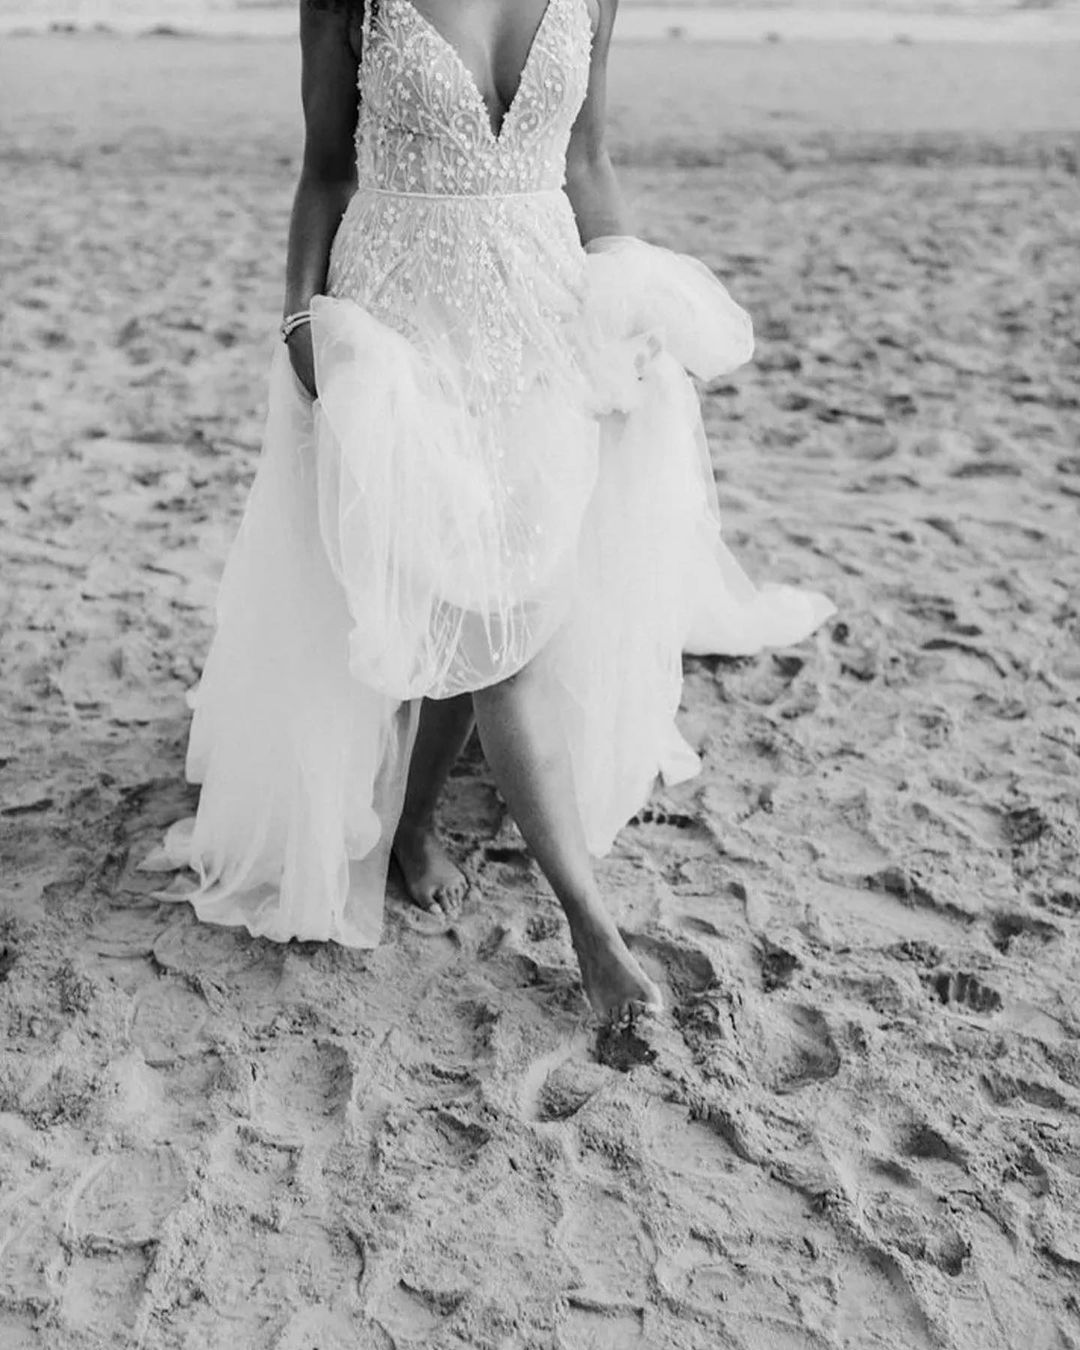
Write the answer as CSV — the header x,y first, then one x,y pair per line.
x,y
430,241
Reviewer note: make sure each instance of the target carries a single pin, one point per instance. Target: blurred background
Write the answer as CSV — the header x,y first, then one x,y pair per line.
x,y
976,20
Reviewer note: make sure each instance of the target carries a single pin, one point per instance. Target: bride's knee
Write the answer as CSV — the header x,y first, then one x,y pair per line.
x,y
507,688
493,694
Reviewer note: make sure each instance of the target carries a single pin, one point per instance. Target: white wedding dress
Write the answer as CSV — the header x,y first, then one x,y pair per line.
x,y
506,463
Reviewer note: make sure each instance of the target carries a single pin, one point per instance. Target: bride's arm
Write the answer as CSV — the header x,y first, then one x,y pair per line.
x,y
328,173
591,184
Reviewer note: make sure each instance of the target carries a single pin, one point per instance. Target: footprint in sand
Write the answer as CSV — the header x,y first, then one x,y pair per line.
x,y
963,989
611,1254
330,1330
301,1088
1006,1092
1063,900
686,1148
738,1034
8,957
916,1225
785,1046
901,1187
964,992
169,1023
1027,1170
461,1139
434,1137
124,1203
1024,826
558,1084
1006,927
921,1140
407,1315
596,1327
800,1049
778,965
681,970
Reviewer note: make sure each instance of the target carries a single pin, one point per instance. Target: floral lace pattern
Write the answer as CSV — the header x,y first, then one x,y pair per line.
x,y
423,126
454,222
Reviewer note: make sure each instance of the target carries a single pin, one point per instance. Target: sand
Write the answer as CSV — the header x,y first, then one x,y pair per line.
x,y
859,1126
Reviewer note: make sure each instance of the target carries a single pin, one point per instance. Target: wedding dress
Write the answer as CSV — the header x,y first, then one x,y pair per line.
x,y
505,463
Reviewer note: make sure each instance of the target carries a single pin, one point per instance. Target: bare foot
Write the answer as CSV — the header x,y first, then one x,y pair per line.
x,y
433,880
615,984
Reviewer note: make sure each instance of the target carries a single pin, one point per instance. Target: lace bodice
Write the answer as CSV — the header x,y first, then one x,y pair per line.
x,y
424,126
460,236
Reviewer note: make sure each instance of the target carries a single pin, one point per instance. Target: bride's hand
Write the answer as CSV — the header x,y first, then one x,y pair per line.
x,y
302,356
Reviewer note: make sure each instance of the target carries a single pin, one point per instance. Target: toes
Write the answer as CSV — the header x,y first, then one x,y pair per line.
x,y
426,900
634,1010
427,917
450,904
432,882
452,895
429,903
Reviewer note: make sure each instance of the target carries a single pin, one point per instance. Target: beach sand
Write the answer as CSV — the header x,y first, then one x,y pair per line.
x,y
859,1126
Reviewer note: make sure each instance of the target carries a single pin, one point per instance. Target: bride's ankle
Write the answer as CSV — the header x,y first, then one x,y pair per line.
x,y
414,827
590,920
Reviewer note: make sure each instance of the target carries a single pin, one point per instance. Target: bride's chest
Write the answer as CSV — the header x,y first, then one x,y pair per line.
x,y
412,79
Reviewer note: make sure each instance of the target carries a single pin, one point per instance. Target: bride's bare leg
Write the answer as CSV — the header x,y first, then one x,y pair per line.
x,y
528,757
434,881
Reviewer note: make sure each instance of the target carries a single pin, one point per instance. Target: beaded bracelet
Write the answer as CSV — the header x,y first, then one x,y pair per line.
x,y
292,322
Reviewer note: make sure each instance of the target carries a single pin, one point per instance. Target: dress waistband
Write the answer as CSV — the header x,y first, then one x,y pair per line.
x,y
459,196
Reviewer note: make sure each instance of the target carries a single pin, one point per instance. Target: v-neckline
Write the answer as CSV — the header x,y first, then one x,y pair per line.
x,y
481,102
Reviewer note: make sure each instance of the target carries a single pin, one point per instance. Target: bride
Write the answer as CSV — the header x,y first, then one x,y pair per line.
x,y
484,493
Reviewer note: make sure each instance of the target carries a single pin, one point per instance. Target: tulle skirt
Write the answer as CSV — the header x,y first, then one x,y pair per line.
x,y
402,541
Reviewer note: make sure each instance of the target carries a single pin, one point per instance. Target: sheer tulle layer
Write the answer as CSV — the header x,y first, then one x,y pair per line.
x,y
452,535
401,542
300,764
